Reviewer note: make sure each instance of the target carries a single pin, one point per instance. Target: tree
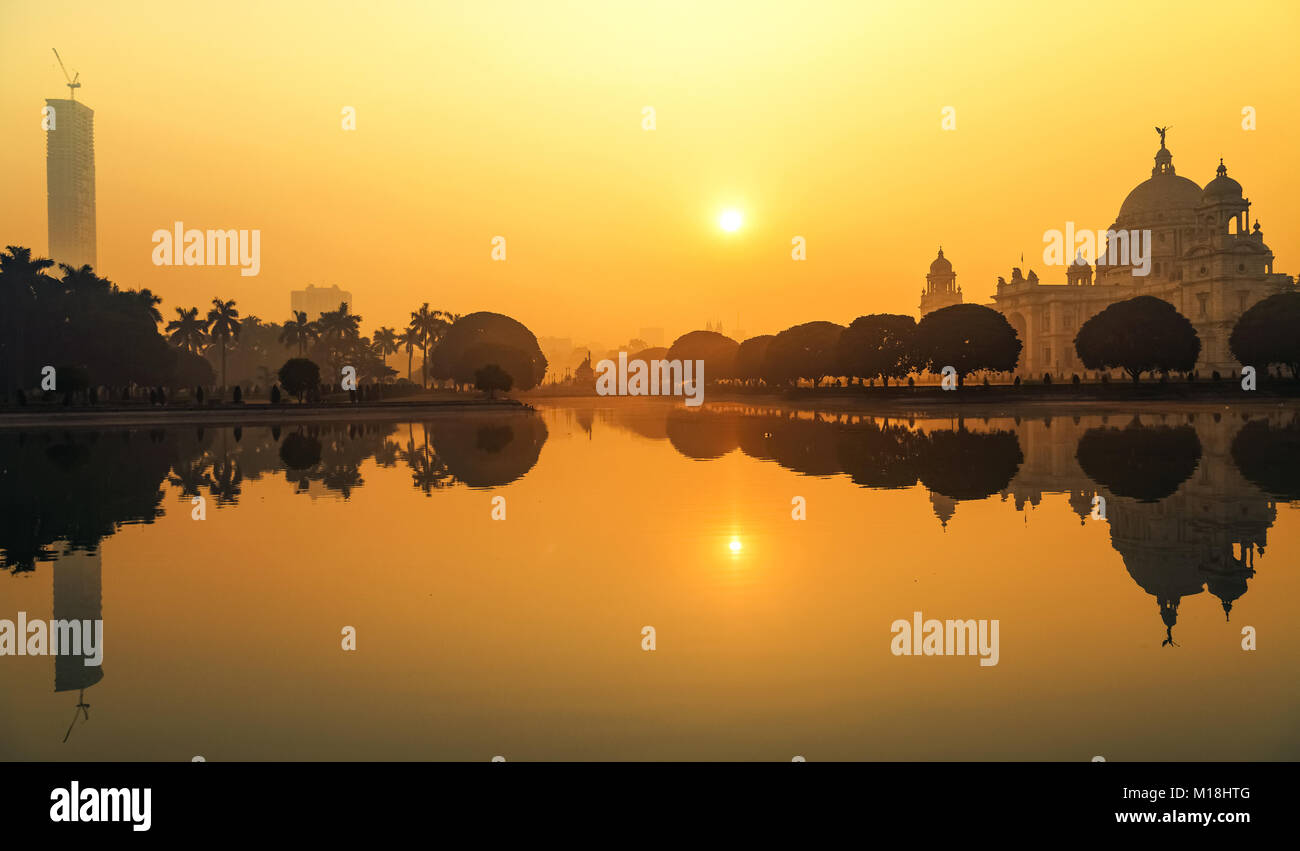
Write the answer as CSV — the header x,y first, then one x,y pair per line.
x,y
385,342
298,375
22,277
1266,334
223,327
967,337
430,327
492,378
1143,334
188,331
410,340
803,351
449,358
716,350
513,361
299,331
749,357
877,346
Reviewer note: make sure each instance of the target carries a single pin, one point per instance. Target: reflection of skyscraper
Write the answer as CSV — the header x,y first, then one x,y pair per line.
x,y
70,182
76,597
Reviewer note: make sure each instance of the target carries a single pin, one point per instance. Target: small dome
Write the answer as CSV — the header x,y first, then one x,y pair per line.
x,y
1222,188
940,266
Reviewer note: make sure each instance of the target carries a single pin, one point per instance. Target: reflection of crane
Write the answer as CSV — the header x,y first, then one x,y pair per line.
x,y
82,708
73,85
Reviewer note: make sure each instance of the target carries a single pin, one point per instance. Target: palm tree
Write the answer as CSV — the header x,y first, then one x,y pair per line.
x,y
150,303
299,331
188,331
224,327
385,341
410,338
20,277
430,325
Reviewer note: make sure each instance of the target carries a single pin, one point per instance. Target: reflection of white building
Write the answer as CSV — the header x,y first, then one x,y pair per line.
x,y
1203,537
1208,261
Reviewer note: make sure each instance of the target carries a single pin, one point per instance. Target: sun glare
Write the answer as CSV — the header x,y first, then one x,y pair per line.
x,y
731,220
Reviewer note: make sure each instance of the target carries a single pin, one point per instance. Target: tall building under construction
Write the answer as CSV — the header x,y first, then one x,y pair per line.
x,y
70,181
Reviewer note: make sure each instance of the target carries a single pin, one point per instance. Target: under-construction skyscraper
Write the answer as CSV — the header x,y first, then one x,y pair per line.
x,y
70,181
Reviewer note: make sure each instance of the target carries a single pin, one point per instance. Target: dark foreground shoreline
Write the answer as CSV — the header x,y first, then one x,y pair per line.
x,y
108,416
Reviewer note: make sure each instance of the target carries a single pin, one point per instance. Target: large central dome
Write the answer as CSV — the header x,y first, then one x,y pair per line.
x,y
1163,193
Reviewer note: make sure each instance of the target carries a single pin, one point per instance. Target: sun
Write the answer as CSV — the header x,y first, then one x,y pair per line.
x,y
731,220
736,546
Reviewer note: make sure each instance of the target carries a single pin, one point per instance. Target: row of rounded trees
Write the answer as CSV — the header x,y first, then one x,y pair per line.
x,y
881,346
1139,335
488,350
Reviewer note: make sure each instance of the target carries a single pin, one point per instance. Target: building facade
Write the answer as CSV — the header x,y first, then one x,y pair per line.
x,y
70,182
1205,260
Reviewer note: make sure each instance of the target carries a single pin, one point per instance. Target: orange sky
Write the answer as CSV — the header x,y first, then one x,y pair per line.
x,y
524,120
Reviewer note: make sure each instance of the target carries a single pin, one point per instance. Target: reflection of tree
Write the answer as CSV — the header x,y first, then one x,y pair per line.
x,y
471,448
804,445
877,457
428,472
1270,457
77,487
1146,463
701,435
300,451
968,465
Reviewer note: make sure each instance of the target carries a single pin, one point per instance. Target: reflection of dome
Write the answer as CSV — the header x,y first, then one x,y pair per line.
x,y
1222,188
944,508
1164,192
940,266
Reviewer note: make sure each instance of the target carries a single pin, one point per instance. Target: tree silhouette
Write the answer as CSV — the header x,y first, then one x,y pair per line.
x,y
749,357
1143,334
298,375
716,350
188,331
223,327
967,337
299,331
410,340
1266,334
454,359
491,378
877,346
803,351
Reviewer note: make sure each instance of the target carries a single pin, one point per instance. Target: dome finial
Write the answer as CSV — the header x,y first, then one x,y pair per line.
x,y
1223,169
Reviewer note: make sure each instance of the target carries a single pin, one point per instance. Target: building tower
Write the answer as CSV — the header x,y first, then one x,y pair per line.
x,y
70,181
941,288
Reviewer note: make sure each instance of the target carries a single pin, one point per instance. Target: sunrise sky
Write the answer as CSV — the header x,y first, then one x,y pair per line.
x,y
524,120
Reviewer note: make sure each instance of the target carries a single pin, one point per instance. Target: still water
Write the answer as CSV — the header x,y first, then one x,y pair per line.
x,y
522,637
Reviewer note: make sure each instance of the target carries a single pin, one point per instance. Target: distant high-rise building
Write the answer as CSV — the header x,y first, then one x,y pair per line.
x,y
70,182
315,300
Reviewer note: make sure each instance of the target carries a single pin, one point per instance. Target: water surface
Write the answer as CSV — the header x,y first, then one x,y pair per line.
x,y
522,636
